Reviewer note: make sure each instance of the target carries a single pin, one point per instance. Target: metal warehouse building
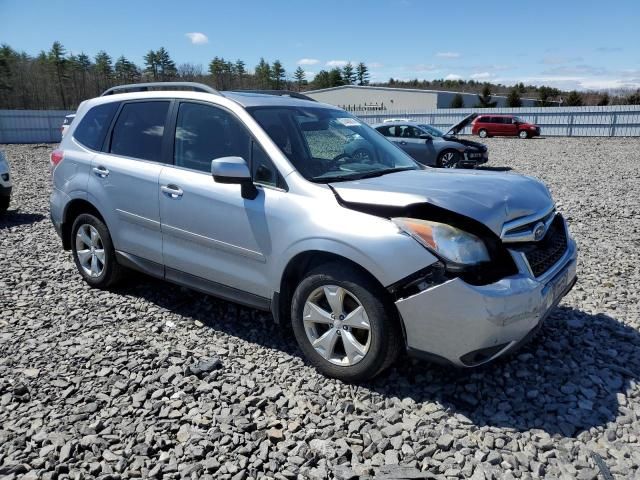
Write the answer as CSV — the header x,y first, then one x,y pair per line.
x,y
355,97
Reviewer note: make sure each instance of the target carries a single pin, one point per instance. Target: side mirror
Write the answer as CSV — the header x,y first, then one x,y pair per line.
x,y
425,136
234,170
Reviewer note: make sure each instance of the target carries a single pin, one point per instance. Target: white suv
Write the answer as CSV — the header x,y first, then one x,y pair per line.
x,y
5,183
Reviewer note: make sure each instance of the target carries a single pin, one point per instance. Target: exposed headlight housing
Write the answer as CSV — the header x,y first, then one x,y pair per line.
x,y
448,242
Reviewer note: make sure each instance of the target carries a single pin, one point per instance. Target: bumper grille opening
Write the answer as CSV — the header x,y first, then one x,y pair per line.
x,y
477,357
544,254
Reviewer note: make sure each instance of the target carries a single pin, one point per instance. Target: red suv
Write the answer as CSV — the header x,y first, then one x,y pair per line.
x,y
503,125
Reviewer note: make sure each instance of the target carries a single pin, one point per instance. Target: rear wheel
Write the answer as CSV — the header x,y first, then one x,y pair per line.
x,y
449,159
4,204
93,251
523,134
343,325
482,133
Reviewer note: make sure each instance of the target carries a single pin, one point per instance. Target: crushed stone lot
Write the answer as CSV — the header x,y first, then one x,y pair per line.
x,y
153,380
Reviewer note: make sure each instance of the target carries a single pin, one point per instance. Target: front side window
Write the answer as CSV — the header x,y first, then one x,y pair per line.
x,y
434,132
326,144
204,133
139,129
94,125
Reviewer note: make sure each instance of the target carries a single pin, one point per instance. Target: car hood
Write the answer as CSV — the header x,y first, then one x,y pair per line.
x,y
491,198
458,127
481,147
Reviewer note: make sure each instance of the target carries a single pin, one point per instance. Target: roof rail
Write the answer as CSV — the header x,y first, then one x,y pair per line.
x,y
281,93
143,87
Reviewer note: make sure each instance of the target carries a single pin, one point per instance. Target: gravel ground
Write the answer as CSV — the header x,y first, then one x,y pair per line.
x,y
152,380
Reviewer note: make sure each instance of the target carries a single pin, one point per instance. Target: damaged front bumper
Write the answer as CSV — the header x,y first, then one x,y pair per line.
x,y
468,325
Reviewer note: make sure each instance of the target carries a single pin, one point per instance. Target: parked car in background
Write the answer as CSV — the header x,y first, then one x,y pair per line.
x,y
503,126
66,122
6,183
254,198
432,147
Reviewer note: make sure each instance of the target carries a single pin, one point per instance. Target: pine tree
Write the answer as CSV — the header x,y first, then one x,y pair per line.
x,y
126,71
335,77
362,74
322,79
300,78
348,74
484,99
545,94
239,68
457,101
263,74
277,75
513,99
151,62
574,99
57,58
633,99
166,67
217,68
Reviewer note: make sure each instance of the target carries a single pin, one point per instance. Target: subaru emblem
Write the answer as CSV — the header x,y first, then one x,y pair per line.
x,y
538,231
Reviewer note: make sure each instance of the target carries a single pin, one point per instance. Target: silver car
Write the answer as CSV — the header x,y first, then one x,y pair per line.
x,y
430,146
6,183
255,198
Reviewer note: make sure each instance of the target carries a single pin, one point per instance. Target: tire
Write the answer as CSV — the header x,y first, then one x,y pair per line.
x,y
4,204
482,133
94,235
377,347
449,159
523,134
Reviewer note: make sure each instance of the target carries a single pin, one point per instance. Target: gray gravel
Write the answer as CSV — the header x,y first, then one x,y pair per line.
x,y
152,380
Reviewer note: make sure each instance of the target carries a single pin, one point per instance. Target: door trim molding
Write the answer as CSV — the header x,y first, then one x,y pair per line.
x,y
212,243
139,220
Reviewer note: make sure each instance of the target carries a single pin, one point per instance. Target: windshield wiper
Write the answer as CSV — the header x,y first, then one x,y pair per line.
x,y
360,176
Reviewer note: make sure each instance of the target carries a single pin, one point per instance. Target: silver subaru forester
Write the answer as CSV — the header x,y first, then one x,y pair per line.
x,y
263,200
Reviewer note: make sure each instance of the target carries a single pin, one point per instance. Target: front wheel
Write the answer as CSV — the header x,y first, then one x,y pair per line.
x,y
93,252
523,134
343,325
449,159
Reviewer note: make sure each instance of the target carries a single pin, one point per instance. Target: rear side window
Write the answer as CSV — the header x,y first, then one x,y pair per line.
x,y
483,120
93,126
139,129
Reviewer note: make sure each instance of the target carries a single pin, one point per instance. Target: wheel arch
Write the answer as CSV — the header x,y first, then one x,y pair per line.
x,y
297,267
74,208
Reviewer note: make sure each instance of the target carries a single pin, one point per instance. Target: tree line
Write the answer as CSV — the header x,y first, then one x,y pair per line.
x,y
56,79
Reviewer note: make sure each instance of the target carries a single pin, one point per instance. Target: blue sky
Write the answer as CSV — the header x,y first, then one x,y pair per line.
x,y
584,45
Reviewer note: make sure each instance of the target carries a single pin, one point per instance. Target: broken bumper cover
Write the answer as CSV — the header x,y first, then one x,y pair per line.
x,y
468,325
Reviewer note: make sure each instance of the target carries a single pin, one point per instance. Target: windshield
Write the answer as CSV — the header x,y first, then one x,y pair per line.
x,y
434,132
328,145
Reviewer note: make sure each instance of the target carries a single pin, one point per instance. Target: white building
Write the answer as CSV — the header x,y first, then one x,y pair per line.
x,y
353,97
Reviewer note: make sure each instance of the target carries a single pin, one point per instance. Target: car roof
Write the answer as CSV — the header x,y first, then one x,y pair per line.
x,y
494,115
398,122
244,99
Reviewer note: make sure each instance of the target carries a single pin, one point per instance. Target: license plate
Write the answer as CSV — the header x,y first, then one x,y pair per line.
x,y
475,155
559,285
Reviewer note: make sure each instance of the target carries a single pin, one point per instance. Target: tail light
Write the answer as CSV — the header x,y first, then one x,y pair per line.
x,y
56,157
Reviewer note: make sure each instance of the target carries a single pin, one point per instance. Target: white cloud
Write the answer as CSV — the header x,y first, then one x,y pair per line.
x,y
336,63
448,55
308,61
481,75
453,76
197,38
375,65
310,75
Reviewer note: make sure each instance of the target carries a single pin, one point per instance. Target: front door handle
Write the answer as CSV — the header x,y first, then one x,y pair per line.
x,y
403,142
173,191
100,171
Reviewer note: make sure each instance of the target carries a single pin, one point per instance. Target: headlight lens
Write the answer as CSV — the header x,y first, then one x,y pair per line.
x,y
449,242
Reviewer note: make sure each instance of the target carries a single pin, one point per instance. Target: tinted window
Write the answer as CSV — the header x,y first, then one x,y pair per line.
x,y
385,131
138,130
263,170
94,125
496,119
483,120
507,120
204,133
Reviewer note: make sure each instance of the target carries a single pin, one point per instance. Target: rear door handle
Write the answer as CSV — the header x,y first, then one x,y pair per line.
x,y
100,171
172,191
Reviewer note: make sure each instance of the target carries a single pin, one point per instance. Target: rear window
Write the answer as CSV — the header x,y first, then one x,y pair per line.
x,y
93,126
139,129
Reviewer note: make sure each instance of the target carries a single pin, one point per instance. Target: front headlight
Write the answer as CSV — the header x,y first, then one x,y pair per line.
x,y
449,242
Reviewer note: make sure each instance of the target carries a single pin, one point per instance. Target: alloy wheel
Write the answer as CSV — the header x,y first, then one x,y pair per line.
x,y
337,325
449,160
90,250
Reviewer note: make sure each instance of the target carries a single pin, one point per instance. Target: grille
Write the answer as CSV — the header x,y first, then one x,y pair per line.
x,y
544,254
